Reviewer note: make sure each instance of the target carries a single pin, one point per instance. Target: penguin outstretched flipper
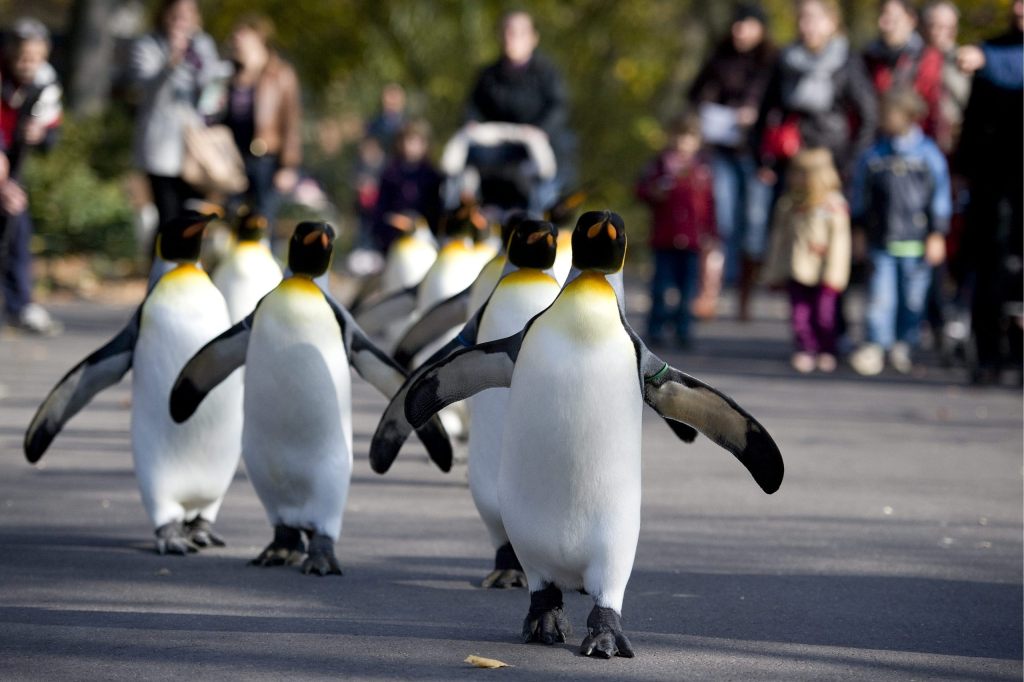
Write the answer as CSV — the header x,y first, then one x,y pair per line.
x,y
677,396
378,313
449,313
209,367
386,376
462,374
101,369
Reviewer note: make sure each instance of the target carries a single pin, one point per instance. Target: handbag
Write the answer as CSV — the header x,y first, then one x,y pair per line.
x,y
782,140
211,162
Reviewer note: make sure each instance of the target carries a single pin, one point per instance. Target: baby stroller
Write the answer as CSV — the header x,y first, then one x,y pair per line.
x,y
503,166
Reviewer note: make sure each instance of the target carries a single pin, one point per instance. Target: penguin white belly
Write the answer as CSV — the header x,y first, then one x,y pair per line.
x,y
408,261
485,283
456,268
249,273
183,470
569,481
519,297
297,440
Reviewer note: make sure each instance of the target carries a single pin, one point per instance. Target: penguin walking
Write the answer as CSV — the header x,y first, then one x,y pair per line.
x,y
457,308
297,346
569,472
183,471
526,288
248,272
410,255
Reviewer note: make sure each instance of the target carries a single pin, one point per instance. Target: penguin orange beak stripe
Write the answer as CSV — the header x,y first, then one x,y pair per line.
x,y
193,229
612,232
595,230
312,237
536,237
324,239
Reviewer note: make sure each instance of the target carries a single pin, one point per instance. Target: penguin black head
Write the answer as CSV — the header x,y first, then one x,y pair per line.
x,y
310,249
562,211
180,239
533,244
465,221
252,227
599,242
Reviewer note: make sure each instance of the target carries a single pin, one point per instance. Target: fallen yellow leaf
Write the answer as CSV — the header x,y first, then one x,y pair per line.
x,y
481,662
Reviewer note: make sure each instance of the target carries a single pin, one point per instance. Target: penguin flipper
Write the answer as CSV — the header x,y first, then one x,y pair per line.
x,y
101,369
377,314
449,313
676,395
384,374
207,368
462,374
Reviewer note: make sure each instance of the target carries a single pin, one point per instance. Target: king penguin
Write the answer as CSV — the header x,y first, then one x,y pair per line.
x,y
248,272
183,471
297,346
569,472
410,255
526,288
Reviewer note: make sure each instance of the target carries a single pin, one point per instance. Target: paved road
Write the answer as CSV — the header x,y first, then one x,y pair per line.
x,y
892,551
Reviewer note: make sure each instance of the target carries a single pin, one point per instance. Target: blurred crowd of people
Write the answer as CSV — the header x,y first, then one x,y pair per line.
x,y
793,167
797,168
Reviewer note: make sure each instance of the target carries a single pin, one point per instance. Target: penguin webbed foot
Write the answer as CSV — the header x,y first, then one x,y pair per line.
x,y
605,638
171,538
508,572
201,534
546,622
287,548
321,560
504,579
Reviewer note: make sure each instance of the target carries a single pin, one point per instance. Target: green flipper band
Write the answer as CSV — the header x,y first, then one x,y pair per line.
x,y
657,375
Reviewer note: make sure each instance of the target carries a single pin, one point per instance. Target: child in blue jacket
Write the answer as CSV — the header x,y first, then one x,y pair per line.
x,y
901,200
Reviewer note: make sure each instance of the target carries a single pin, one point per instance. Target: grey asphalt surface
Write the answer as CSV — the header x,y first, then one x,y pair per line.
x,y
892,551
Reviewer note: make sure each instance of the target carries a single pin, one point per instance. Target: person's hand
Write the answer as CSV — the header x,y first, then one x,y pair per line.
x,y
5,167
767,175
35,132
970,58
746,116
13,199
935,249
285,180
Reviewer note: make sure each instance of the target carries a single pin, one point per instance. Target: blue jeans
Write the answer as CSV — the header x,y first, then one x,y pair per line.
x,y
897,295
17,262
741,208
679,269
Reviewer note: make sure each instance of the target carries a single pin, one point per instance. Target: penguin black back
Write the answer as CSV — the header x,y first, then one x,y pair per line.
x,y
533,244
599,242
310,248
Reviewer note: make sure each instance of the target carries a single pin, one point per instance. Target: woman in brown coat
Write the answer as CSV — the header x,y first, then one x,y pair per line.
x,y
263,111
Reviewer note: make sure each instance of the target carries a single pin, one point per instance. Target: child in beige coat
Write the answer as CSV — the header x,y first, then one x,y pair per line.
x,y
810,256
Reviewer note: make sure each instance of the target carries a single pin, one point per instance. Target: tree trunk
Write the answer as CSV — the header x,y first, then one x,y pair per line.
x,y
90,55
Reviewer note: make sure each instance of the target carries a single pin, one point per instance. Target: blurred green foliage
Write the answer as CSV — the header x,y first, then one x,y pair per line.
x,y
76,190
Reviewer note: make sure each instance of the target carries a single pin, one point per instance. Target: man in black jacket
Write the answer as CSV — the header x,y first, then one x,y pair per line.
x,y
524,87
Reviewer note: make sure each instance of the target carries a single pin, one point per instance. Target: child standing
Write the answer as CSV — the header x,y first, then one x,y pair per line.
x,y
810,255
409,183
902,200
677,186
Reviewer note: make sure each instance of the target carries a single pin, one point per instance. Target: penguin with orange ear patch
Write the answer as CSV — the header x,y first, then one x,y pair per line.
x,y
298,346
183,470
568,481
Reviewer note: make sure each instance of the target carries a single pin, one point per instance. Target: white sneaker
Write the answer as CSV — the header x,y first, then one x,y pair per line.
x,y
899,357
35,320
868,360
